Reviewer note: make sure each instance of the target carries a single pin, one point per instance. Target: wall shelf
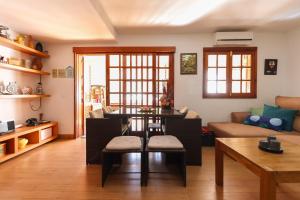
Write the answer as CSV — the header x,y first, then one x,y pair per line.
x,y
22,48
22,69
24,96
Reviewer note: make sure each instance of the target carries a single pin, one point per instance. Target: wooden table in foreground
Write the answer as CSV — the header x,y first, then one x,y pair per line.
x,y
271,168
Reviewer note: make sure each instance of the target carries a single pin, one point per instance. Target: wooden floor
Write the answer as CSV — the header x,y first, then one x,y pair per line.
x,y
58,171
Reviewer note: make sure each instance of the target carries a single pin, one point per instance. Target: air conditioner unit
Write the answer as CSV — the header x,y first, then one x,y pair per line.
x,y
233,38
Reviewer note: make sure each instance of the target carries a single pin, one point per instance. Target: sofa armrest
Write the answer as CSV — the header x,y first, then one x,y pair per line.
x,y
239,117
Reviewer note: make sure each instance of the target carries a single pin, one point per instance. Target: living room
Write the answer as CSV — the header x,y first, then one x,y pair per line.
x,y
63,33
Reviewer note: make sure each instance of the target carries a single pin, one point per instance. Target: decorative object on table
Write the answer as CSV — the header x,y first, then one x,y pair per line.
x,y
39,47
37,63
271,66
3,31
188,63
20,39
12,88
26,90
69,72
166,100
39,88
22,142
271,144
146,109
16,61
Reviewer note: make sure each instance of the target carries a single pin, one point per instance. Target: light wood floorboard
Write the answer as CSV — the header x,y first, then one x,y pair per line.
x,y
58,171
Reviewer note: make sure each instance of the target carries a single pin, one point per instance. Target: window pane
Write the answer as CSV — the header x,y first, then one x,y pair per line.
x,y
114,98
236,74
145,86
139,99
221,87
133,73
144,60
163,61
246,60
144,73
246,87
211,87
114,86
236,60
114,60
139,60
150,59
221,73
222,59
150,99
127,61
149,73
133,86
163,74
236,86
144,99
114,73
212,60
133,61
127,73
139,73
150,86
246,73
128,86
139,86
212,74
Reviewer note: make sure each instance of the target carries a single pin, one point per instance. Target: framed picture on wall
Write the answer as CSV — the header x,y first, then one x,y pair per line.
x,y
271,66
188,63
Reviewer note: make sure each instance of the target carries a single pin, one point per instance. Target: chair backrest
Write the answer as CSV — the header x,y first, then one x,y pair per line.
x,y
99,131
188,131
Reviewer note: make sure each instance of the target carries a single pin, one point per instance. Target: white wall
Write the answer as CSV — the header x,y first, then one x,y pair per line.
x,y
188,88
294,62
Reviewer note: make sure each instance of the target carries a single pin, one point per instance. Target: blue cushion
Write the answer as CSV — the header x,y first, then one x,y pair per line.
x,y
287,115
252,120
276,124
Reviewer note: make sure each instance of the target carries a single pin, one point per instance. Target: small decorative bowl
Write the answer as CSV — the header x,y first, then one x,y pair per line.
x,y
22,142
26,90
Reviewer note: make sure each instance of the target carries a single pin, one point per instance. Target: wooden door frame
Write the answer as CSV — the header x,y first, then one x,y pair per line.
x,y
81,51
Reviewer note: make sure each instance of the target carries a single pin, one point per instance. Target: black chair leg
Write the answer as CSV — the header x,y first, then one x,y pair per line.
x,y
106,166
183,165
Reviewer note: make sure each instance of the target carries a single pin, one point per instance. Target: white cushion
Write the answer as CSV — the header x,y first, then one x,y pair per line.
x,y
183,109
96,113
164,142
124,143
192,115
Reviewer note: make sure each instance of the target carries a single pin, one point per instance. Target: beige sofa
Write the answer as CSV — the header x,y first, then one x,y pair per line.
x,y
236,128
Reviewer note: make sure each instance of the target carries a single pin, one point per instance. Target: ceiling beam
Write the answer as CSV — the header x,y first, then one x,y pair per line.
x,y
104,17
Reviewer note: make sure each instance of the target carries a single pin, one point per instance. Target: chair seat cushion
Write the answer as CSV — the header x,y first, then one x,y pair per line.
x,y
125,143
164,142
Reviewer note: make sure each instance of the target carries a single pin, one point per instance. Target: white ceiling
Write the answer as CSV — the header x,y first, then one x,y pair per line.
x,y
76,20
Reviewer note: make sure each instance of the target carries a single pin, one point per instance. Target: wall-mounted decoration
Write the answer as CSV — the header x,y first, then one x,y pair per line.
x,y
271,66
188,63
67,72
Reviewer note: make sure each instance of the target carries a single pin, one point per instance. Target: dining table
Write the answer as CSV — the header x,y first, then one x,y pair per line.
x,y
157,112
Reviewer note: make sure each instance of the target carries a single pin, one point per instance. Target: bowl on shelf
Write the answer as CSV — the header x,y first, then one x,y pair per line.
x,y
22,142
26,90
